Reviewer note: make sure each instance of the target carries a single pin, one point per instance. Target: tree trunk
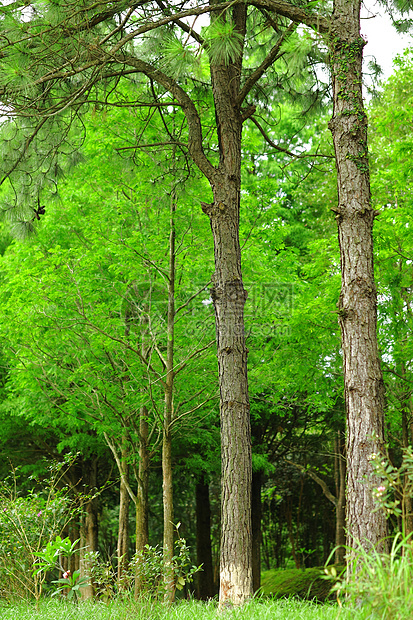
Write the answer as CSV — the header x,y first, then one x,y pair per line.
x,y
142,503
363,381
168,531
124,501
142,495
205,589
89,526
289,520
229,296
256,529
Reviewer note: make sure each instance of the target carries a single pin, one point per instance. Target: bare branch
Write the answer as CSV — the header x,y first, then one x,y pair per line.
x,y
283,149
194,354
188,301
182,415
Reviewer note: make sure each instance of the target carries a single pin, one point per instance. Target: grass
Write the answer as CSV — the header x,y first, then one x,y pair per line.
x,y
288,609
379,589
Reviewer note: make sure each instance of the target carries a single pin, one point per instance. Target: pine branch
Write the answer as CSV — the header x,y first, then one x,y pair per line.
x,y
294,13
192,33
152,144
273,55
24,151
188,107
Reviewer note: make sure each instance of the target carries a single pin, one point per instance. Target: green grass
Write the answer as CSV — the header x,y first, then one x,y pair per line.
x,y
288,609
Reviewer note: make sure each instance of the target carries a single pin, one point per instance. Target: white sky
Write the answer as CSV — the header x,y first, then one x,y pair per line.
x,y
383,41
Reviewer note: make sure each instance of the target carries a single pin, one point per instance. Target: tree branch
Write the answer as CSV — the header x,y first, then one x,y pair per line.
x,y
267,62
283,149
192,33
119,464
332,498
294,13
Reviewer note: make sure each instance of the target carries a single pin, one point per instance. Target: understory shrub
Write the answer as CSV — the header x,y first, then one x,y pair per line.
x,y
145,575
27,524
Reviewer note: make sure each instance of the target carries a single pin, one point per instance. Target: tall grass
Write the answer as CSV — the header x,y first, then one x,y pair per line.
x,y
380,585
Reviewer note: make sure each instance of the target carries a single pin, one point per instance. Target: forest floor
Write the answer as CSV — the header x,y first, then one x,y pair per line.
x,y
285,609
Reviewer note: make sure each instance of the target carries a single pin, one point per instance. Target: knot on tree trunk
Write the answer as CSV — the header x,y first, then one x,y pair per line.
x,y
213,209
229,292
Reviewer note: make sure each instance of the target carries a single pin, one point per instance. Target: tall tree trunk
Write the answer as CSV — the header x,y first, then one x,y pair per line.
x,y
142,503
205,589
124,501
363,381
229,296
89,525
168,527
256,511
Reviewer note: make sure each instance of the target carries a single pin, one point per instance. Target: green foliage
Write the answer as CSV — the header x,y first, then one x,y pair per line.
x,y
391,140
223,42
50,558
145,574
71,584
180,57
395,493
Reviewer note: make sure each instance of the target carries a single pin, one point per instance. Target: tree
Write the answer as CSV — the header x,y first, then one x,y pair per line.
x,y
363,380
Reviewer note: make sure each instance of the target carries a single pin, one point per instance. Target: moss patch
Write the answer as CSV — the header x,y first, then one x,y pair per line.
x,y
307,583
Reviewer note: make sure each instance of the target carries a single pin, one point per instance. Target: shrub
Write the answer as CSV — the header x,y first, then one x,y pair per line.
x,y
27,524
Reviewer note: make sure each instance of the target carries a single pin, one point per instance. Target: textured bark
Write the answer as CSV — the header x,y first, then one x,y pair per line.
x,y
256,511
406,407
363,381
205,589
229,296
142,495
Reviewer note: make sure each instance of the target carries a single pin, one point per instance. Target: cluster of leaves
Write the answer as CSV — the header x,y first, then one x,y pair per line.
x,y
51,557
